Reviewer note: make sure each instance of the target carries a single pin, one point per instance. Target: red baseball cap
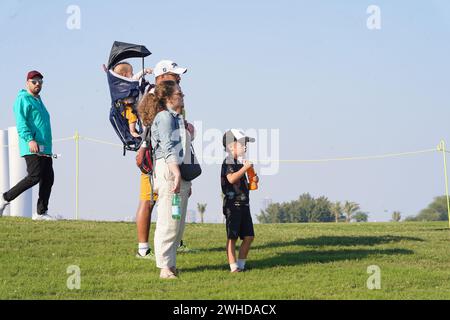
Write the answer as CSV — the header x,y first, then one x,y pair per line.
x,y
34,74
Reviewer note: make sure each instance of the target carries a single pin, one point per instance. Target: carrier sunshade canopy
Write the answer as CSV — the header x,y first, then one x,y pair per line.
x,y
122,51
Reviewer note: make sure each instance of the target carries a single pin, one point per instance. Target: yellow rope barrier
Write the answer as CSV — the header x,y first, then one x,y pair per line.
x,y
440,148
54,141
382,156
101,142
63,139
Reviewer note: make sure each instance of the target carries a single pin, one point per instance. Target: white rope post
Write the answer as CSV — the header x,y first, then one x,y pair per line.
x,y
22,206
4,166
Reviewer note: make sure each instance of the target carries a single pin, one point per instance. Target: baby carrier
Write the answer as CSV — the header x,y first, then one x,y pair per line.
x,y
122,88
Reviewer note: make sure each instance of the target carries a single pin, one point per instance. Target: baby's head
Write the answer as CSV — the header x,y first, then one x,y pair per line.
x,y
124,69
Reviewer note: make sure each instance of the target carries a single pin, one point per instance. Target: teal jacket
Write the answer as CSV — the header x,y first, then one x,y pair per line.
x,y
33,123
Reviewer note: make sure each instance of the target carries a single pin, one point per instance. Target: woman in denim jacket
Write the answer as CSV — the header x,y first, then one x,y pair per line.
x,y
170,140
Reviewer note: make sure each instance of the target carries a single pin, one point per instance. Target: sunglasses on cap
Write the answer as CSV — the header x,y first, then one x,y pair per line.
x,y
37,81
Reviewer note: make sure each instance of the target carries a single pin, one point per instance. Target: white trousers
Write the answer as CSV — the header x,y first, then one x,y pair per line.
x,y
169,232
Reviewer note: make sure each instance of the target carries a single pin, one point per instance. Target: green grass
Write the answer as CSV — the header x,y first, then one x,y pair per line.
x,y
292,261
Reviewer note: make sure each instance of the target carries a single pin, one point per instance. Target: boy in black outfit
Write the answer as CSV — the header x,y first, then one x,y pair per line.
x,y
236,202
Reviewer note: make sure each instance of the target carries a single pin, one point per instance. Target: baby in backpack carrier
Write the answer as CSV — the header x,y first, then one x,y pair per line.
x,y
125,70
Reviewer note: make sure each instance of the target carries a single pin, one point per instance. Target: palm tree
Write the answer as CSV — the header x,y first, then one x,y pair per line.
x,y
396,216
349,209
336,209
201,207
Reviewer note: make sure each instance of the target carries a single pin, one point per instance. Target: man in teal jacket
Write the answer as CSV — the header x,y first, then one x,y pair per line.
x,y
35,145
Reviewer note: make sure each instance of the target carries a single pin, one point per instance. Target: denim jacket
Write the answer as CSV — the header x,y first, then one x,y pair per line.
x,y
167,137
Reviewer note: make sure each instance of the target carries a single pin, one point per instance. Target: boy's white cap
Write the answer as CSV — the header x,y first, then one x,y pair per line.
x,y
233,135
168,66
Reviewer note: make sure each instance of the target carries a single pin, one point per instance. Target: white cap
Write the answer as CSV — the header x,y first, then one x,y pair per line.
x,y
235,135
167,66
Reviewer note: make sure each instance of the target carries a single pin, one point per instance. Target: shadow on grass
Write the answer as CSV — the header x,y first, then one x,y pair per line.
x,y
323,241
308,257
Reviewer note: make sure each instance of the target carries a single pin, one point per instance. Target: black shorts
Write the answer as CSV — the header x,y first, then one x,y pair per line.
x,y
239,222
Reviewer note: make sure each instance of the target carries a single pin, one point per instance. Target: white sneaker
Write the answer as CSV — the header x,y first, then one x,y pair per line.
x,y
3,204
43,217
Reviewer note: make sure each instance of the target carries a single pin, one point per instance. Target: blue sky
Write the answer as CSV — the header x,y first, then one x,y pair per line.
x,y
311,69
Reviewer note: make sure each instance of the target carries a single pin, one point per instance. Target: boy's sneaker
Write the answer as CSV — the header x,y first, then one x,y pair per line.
x,y
43,217
149,255
182,248
237,270
3,204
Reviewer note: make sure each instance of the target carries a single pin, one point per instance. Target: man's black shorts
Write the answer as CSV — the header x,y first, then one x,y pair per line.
x,y
239,222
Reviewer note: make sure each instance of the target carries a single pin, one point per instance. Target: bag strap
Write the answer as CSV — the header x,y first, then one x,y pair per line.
x,y
192,148
147,136
152,184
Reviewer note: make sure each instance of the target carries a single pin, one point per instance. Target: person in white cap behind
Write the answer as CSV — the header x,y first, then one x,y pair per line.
x,y
168,68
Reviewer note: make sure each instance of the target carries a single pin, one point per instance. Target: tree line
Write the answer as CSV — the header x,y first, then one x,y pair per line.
x,y
309,209
436,211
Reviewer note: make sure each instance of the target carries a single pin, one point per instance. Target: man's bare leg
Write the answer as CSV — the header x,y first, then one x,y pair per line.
x,y
143,222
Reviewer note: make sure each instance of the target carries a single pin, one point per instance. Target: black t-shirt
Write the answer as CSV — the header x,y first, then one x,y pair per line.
x,y
234,194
